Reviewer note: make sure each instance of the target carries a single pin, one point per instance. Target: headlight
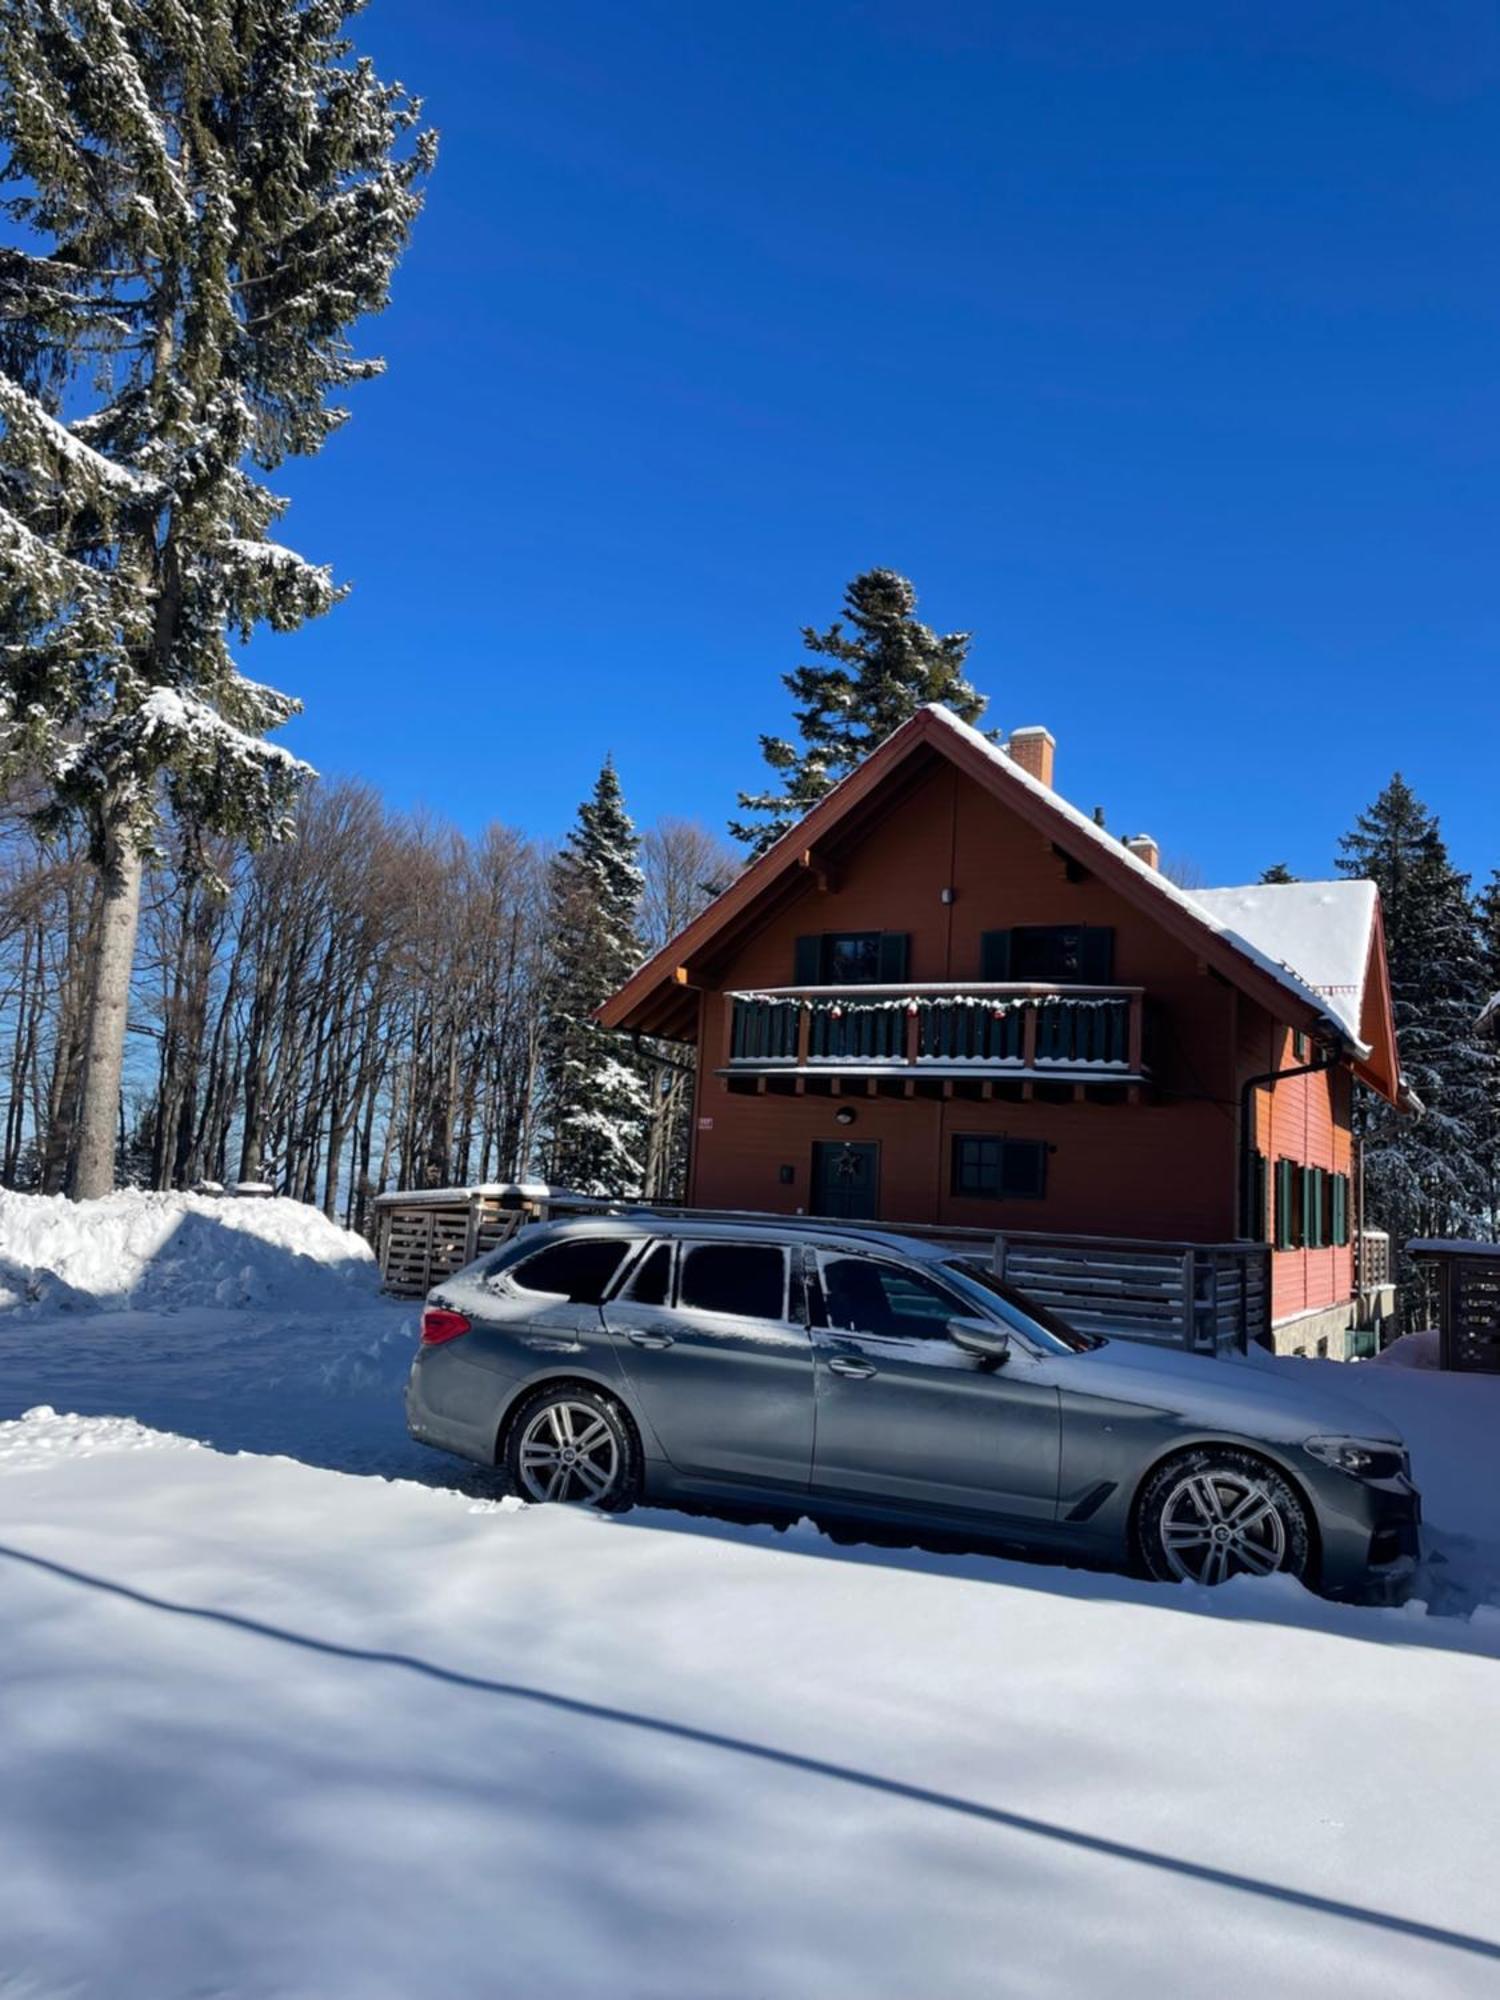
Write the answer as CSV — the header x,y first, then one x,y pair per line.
x,y
1361,1458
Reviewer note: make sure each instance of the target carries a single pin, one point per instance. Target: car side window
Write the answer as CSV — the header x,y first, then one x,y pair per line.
x,y
863,1296
652,1283
580,1271
747,1279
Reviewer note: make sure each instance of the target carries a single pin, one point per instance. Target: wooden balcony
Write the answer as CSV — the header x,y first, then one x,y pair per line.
x,y
937,1031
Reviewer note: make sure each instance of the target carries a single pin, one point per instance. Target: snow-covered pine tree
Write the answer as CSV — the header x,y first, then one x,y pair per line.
x,y
206,199
882,666
1489,945
1425,1176
595,1086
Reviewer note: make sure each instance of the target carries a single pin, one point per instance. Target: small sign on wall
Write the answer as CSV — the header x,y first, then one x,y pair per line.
x,y
705,1124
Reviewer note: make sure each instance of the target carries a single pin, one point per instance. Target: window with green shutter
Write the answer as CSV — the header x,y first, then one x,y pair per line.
x,y
1286,1205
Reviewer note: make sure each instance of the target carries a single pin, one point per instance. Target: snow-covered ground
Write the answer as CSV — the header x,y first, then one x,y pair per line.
x,y
272,1726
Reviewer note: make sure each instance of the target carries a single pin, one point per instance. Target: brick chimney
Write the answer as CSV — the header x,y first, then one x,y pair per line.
x,y
1033,750
1144,848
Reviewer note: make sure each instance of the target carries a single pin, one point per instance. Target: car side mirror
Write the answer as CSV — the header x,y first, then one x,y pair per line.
x,y
978,1336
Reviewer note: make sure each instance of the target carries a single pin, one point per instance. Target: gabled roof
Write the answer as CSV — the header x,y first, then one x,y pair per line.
x,y
1246,934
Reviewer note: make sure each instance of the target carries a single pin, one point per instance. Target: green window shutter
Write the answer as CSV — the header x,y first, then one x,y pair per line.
x,y
1253,1222
894,952
1315,1233
994,955
807,967
1286,1187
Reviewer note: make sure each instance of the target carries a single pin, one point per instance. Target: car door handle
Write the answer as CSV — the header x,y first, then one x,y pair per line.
x,y
648,1336
856,1371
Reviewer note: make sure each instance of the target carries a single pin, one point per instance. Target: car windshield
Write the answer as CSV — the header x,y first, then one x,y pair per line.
x,y
1040,1321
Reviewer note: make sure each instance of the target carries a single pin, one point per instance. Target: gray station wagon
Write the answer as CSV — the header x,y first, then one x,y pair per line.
x,y
860,1375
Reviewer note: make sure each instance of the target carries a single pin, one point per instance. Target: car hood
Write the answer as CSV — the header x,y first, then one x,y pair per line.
x,y
1226,1394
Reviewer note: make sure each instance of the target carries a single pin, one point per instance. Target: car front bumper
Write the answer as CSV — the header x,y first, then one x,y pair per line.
x,y
1369,1534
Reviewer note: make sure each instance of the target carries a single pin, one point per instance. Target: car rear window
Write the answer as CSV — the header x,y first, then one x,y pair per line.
x,y
580,1271
744,1278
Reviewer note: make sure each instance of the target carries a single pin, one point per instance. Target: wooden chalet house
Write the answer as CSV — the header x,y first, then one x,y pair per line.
x,y
949,998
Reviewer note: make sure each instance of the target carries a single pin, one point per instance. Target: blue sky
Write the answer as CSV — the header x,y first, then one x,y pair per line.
x,y
1156,344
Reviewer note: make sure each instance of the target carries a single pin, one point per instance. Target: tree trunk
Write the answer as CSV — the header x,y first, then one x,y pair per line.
x,y
109,997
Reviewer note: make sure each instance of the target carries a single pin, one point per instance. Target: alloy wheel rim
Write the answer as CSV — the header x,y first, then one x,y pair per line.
x,y
1221,1524
568,1453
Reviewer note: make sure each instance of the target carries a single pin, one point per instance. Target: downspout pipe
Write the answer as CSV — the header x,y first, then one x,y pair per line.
x,y
1325,1059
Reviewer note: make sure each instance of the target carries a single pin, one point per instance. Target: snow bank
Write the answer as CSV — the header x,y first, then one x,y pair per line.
x,y
164,1252
45,1437
1413,1350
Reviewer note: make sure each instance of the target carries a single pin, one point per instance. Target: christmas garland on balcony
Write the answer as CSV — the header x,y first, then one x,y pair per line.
x,y
916,1003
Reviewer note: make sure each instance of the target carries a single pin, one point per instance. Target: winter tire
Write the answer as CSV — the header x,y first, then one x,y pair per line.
x,y
575,1446
1214,1513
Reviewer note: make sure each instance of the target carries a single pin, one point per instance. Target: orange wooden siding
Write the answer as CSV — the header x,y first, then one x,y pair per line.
x,y
1166,1167
1306,1119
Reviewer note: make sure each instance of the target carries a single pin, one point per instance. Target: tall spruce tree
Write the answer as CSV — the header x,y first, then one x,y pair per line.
x,y
1425,1175
596,1090
882,665
207,198
1489,945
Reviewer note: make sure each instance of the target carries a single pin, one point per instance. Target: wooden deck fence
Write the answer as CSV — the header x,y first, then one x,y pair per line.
x,y
1209,1297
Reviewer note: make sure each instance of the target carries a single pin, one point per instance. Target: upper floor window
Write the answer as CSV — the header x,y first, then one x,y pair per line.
x,y
996,1169
1060,954
851,958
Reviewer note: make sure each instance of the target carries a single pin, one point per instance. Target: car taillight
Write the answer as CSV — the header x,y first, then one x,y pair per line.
x,y
438,1325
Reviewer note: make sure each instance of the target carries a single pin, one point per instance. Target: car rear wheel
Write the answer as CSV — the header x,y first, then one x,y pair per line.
x,y
1212,1514
573,1445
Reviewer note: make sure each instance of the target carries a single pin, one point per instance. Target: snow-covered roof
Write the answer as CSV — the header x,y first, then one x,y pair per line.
x,y
1319,930
1267,935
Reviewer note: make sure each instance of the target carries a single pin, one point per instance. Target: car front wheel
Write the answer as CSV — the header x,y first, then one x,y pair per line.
x,y
574,1445
1214,1513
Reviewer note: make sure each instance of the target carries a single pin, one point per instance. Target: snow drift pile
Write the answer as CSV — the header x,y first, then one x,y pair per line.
x,y
164,1252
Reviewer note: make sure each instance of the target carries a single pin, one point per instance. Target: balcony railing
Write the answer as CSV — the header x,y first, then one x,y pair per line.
x,y
948,1028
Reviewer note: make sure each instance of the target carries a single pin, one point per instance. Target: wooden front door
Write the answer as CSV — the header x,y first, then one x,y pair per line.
x,y
846,1179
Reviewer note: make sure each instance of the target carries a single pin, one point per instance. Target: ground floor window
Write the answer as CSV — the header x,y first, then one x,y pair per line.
x,y
998,1169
